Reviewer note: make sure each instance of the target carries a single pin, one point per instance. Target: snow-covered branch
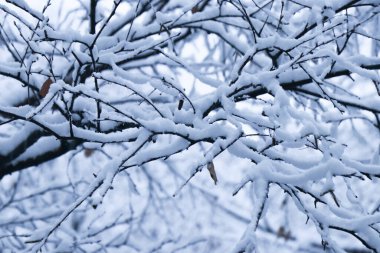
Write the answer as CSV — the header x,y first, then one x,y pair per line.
x,y
111,112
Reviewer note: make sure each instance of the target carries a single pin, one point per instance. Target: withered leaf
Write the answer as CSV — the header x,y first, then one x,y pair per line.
x,y
180,104
45,87
282,233
194,9
211,169
88,152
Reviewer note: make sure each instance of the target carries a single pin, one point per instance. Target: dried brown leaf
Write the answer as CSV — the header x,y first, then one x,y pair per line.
x,y
45,87
282,233
194,9
180,104
88,152
211,169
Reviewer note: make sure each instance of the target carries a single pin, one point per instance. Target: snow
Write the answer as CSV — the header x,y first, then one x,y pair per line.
x,y
288,120
8,145
24,6
42,146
